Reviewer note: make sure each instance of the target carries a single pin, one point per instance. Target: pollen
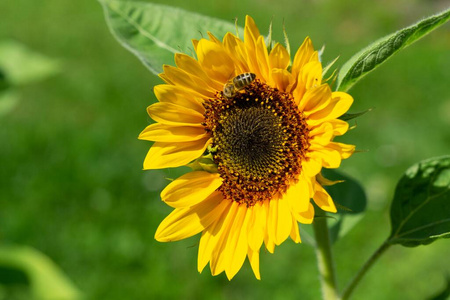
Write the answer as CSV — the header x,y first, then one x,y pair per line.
x,y
261,139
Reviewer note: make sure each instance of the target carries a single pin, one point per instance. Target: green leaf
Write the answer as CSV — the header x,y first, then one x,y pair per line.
x,y
351,116
351,202
378,52
21,66
27,265
420,211
155,32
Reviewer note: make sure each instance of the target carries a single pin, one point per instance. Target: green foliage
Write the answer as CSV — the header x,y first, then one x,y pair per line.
x,y
22,66
25,265
154,32
351,202
71,179
351,116
420,211
378,52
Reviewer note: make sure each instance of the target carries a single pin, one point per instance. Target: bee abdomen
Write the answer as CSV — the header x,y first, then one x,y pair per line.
x,y
244,79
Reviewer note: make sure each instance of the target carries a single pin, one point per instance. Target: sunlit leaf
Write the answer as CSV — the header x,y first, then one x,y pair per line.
x,y
21,65
420,211
28,266
378,52
351,201
155,32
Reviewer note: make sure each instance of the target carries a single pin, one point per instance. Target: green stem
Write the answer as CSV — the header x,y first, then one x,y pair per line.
x,y
354,282
324,256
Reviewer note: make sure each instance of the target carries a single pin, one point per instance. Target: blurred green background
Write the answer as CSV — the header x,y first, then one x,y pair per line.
x,y
71,179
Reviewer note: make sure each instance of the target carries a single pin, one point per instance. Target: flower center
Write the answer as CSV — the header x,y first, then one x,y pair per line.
x,y
260,138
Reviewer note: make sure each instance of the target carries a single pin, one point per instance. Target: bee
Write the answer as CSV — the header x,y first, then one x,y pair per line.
x,y
238,83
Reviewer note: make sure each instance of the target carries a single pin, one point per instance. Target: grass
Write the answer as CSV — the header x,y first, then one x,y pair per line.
x,y
71,183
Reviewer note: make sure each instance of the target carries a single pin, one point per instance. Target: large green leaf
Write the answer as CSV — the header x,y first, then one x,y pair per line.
x,y
378,52
20,264
21,65
155,32
420,211
351,202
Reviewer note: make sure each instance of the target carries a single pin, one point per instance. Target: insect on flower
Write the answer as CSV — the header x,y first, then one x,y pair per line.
x,y
238,83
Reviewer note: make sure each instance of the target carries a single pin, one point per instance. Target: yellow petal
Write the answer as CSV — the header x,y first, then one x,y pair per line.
x,y
182,78
165,79
250,26
214,39
279,57
253,257
302,56
311,166
279,222
236,48
193,67
171,114
209,239
218,262
195,44
345,150
340,127
322,134
256,226
191,188
179,96
281,79
251,35
339,104
237,245
185,222
262,58
268,238
295,233
330,158
298,196
215,61
306,217
168,133
315,99
170,155
312,74
323,199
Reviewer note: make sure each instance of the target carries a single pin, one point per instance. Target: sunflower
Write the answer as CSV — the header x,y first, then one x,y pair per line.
x,y
256,155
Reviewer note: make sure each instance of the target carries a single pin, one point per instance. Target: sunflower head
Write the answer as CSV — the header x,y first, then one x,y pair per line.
x,y
257,128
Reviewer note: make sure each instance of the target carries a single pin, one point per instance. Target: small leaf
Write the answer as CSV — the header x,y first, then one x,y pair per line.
x,y
351,202
348,116
378,52
420,211
21,66
46,280
155,32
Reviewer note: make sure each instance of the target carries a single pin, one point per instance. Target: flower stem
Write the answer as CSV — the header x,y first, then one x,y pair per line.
x,y
324,256
354,282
